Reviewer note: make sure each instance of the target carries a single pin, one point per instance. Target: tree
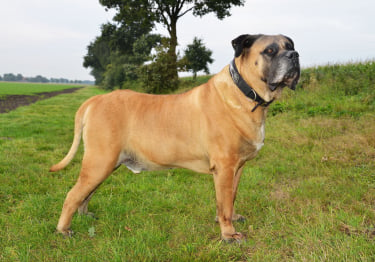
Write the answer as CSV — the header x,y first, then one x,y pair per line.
x,y
157,77
116,54
9,77
112,54
197,57
98,53
19,77
167,13
38,79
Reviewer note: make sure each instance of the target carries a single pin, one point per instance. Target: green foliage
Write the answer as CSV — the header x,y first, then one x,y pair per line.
x,y
11,77
220,8
157,77
98,53
122,47
116,55
117,73
197,57
142,47
121,44
136,14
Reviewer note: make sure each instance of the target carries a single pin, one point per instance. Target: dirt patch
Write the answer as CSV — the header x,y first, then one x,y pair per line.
x,y
11,102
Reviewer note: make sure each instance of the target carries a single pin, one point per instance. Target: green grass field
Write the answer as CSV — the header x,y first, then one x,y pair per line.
x,y
308,196
15,88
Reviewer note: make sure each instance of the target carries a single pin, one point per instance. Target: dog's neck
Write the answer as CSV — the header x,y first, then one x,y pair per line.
x,y
246,89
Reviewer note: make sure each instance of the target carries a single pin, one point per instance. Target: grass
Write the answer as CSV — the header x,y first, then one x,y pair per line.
x,y
16,88
336,90
187,83
308,196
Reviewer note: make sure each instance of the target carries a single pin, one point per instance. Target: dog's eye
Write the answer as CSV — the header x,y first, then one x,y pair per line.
x,y
269,51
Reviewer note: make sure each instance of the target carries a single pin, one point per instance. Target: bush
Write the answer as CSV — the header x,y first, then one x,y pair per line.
x,y
117,74
157,77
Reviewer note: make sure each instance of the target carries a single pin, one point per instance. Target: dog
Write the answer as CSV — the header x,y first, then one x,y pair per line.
x,y
213,128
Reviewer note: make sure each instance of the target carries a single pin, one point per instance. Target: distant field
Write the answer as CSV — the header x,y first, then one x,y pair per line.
x,y
13,88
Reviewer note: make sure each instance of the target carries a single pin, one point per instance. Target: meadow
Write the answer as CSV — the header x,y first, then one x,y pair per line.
x,y
16,88
308,196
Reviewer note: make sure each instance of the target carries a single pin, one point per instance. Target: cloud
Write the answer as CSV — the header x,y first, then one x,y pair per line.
x,y
48,37
323,31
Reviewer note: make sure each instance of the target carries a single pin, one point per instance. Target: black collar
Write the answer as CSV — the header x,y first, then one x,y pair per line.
x,y
245,88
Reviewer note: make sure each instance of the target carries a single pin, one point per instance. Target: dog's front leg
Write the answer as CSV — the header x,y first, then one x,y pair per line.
x,y
236,180
224,181
235,216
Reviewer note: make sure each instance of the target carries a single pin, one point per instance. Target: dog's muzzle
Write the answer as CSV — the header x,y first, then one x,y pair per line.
x,y
284,71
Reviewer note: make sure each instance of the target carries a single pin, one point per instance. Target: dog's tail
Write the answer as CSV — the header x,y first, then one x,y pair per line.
x,y
78,127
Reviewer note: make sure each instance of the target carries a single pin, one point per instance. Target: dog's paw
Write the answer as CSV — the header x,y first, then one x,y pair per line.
x,y
238,218
66,233
237,237
89,214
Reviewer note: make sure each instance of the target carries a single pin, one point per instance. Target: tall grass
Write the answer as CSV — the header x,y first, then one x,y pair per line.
x,y
308,196
334,90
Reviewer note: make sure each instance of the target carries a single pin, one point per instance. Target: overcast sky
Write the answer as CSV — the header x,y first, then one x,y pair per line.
x,y
49,37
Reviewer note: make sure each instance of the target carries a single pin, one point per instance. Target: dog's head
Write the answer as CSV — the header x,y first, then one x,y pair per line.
x,y
269,58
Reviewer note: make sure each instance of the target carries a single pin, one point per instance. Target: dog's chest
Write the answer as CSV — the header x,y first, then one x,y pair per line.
x,y
258,142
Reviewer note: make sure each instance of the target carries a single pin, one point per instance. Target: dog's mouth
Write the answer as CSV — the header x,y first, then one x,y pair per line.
x,y
290,80
284,71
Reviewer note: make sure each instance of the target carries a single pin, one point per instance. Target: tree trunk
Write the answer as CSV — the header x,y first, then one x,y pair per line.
x,y
172,48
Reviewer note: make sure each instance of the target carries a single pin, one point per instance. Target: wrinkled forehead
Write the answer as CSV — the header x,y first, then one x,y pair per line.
x,y
267,40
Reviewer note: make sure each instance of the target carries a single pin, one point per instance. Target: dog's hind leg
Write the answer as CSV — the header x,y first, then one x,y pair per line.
x,y
83,208
95,169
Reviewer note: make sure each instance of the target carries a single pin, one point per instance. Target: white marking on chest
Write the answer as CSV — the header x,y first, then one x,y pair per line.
x,y
259,142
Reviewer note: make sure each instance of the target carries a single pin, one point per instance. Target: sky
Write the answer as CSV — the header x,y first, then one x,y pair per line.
x,y
50,37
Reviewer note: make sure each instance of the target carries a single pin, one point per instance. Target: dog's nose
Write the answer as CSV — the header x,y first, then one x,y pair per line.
x,y
292,54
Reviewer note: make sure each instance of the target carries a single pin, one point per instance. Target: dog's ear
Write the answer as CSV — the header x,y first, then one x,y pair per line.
x,y
243,41
290,40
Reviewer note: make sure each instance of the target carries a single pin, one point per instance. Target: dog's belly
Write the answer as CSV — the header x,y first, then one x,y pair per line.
x,y
132,163
136,165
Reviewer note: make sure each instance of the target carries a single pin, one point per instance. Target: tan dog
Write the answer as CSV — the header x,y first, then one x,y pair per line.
x,y
214,128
